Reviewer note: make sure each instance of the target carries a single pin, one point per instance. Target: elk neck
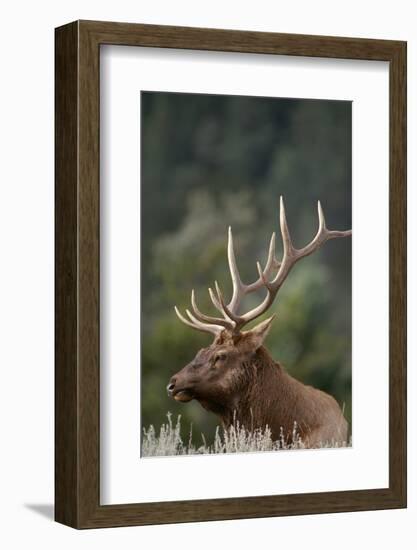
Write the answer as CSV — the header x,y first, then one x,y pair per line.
x,y
256,394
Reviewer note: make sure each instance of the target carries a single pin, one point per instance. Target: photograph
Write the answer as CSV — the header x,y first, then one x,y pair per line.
x,y
242,350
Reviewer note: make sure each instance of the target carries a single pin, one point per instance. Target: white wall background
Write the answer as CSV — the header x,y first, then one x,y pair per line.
x,y
26,271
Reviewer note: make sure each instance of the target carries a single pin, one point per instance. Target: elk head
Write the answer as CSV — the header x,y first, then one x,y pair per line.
x,y
219,373
216,375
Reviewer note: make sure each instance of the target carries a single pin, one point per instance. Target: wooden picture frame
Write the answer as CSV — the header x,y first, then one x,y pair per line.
x,y
77,374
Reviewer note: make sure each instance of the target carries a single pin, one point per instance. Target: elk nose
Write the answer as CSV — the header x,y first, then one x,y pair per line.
x,y
171,386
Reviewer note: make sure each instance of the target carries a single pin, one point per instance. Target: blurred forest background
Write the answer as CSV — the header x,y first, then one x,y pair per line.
x,y
212,161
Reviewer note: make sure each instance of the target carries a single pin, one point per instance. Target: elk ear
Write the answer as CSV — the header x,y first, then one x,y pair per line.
x,y
257,335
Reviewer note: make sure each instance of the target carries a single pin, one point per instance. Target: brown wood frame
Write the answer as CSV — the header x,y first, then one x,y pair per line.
x,y
77,373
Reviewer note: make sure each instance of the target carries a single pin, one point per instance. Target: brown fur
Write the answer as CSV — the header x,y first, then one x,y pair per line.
x,y
248,386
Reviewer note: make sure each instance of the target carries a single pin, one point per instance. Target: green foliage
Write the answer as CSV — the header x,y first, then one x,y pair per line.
x,y
213,161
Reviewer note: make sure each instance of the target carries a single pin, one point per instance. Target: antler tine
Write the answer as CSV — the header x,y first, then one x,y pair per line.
x,y
197,325
271,264
207,318
262,276
236,319
239,288
322,235
234,273
272,261
215,302
286,238
322,220
322,223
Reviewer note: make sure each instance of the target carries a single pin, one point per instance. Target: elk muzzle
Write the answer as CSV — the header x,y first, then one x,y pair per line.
x,y
176,390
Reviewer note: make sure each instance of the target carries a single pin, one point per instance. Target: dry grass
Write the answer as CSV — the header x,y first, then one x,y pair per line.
x,y
235,439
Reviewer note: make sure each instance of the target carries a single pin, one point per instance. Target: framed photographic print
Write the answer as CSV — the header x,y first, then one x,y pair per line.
x,y
230,274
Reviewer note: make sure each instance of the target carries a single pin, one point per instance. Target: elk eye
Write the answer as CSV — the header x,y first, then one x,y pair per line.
x,y
220,357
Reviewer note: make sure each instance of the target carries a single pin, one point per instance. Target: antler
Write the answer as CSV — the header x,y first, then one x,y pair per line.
x,y
231,320
195,323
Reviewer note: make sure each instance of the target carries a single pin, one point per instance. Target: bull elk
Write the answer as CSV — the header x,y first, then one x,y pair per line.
x,y
236,378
